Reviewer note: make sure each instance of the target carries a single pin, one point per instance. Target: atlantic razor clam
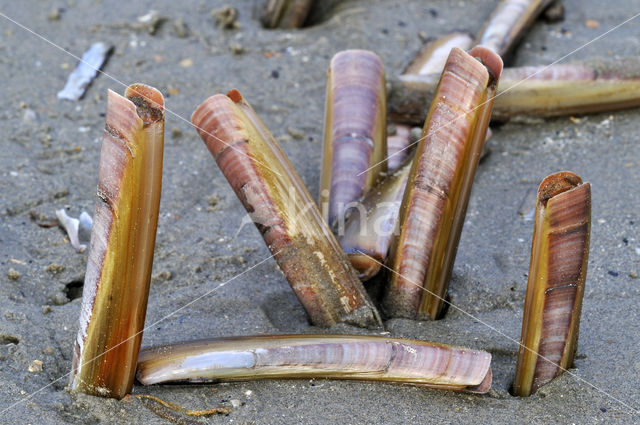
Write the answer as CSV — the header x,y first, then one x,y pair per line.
x,y
116,286
500,32
356,357
282,209
557,274
581,87
354,152
436,196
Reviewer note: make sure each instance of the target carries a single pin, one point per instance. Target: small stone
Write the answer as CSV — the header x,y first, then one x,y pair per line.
x,y
554,13
275,74
151,21
29,117
186,63
592,23
176,133
236,48
180,28
46,309
235,403
165,275
54,15
48,350
55,268
295,133
13,274
633,274
58,298
613,273
226,17
35,366
213,200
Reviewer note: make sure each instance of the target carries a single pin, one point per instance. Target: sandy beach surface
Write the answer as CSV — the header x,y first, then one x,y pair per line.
x,y
212,276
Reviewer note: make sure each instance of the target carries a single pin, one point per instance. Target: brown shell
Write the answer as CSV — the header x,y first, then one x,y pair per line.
x,y
122,244
436,196
559,256
282,209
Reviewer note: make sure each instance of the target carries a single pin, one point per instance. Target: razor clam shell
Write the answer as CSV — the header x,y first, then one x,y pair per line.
x,y
122,242
85,72
592,86
436,196
282,209
433,56
355,130
557,274
399,147
371,227
285,14
566,89
507,24
367,358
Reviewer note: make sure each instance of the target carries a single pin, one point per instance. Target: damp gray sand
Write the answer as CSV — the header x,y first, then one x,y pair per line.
x,y
49,158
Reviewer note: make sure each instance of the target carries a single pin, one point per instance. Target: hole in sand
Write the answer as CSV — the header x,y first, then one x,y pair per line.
x,y
73,289
8,339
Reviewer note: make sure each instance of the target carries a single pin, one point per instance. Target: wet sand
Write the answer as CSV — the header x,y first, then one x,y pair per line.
x,y
209,277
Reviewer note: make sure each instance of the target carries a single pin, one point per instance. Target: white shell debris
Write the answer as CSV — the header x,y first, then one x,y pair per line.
x,y
85,72
77,229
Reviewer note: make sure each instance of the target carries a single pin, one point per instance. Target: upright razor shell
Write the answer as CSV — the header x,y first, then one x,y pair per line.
x,y
557,273
283,211
435,199
116,286
365,358
355,130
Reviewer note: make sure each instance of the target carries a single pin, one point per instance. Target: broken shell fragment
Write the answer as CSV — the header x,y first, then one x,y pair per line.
x,y
365,358
508,22
76,228
368,232
284,212
563,89
79,80
355,131
436,196
557,273
116,286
